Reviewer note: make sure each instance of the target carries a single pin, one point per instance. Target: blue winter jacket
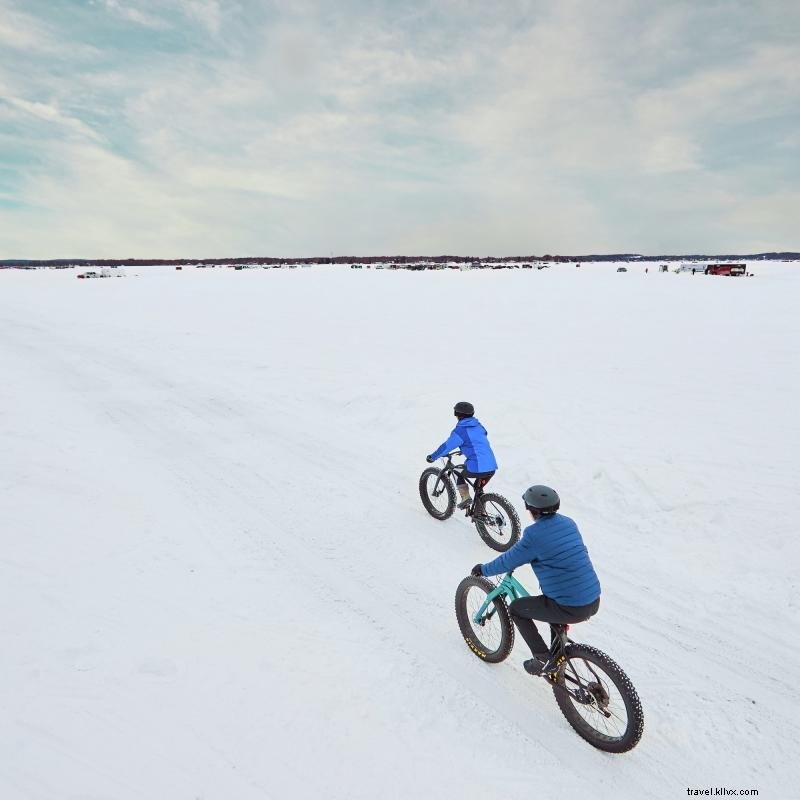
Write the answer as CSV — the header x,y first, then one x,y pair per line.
x,y
471,438
554,548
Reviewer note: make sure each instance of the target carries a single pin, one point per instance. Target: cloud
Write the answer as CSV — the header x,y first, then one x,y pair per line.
x,y
99,202
52,115
23,34
269,128
164,14
18,29
133,14
207,13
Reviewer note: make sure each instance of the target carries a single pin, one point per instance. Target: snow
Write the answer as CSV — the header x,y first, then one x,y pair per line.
x,y
218,580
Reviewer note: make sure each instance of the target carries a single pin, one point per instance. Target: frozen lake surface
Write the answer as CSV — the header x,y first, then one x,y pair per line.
x,y
219,582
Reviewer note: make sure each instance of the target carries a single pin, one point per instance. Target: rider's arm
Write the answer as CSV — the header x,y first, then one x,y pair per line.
x,y
523,552
453,441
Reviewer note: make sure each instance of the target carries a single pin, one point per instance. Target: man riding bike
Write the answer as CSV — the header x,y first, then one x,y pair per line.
x,y
471,438
554,548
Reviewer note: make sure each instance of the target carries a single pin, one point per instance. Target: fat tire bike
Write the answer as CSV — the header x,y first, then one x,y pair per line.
x,y
492,514
594,694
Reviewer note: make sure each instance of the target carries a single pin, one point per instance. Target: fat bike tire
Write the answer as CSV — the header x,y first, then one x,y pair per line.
x,y
616,738
427,482
498,538
470,595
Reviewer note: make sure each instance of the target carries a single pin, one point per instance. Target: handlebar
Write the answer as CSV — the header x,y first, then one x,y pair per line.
x,y
450,455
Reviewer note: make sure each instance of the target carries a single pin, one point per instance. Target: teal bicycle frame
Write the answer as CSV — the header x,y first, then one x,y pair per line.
x,y
510,587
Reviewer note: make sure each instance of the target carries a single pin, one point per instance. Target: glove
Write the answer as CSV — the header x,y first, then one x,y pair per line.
x,y
477,571
430,459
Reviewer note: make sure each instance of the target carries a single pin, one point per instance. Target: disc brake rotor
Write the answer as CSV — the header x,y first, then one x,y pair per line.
x,y
594,695
599,693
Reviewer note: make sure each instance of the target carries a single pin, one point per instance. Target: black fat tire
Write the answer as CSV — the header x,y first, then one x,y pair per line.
x,y
426,500
465,624
509,511
622,682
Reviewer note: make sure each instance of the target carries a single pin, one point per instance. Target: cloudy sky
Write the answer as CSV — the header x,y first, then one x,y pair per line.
x,y
249,127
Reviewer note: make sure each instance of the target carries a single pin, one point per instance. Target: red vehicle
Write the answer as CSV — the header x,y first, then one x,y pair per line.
x,y
726,269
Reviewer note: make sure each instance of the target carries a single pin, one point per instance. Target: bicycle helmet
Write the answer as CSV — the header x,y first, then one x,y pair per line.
x,y
464,409
541,499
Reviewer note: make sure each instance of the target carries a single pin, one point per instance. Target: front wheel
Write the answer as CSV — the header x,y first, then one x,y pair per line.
x,y
497,522
492,636
437,493
598,699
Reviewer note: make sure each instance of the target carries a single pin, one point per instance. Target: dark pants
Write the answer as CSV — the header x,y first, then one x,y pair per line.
x,y
481,478
525,610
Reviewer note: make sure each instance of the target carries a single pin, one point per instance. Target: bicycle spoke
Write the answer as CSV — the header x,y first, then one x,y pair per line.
x,y
614,722
490,633
440,501
493,518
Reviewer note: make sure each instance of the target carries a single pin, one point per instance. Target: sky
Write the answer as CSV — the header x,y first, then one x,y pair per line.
x,y
214,128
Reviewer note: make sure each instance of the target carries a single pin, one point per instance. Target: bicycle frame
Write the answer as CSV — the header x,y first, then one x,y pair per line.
x,y
451,469
510,587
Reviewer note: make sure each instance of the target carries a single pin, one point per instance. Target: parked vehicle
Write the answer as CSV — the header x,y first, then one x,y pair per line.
x,y
732,270
622,269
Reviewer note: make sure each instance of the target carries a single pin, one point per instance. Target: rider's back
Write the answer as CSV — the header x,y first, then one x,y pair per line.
x,y
562,564
554,548
475,445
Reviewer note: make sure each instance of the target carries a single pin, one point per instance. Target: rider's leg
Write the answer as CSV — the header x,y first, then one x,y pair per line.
x,y
484,477
481,479
523,611
463,490
526,609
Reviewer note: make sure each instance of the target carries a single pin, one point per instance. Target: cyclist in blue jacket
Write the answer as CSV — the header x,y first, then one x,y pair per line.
x,y
471,438
554,548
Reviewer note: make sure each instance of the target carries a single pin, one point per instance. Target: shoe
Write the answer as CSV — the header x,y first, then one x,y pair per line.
x,y
537,664
465,503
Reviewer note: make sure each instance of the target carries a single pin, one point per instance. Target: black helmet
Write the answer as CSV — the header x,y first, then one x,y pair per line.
x,y
542,499
464,409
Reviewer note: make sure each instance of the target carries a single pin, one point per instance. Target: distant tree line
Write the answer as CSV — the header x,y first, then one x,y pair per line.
x,y
138,262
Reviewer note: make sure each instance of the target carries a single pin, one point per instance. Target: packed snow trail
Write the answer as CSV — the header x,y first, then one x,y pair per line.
x,y
224,584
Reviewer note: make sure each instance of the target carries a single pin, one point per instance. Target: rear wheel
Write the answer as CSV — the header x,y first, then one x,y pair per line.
x,y
497,522
437,493
598,699
492,637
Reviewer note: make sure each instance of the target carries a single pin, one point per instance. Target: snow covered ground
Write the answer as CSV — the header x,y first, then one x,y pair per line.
x,y
218,581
